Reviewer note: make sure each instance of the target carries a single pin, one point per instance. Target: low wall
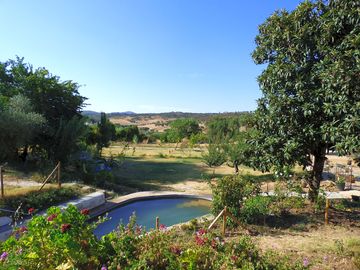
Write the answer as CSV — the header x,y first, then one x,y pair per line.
x,y
89,201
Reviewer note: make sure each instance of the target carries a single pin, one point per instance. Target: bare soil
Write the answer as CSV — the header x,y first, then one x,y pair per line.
x,y
155,122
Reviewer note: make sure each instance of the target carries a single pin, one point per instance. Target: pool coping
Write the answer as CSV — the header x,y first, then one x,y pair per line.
x,y
140,196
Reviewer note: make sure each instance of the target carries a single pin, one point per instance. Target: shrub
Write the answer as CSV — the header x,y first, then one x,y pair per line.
x,y
231,191
255,209
55,240
65,240
43,199
215,156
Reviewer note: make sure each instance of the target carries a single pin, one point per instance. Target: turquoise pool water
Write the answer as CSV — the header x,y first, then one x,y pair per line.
x,y
170,211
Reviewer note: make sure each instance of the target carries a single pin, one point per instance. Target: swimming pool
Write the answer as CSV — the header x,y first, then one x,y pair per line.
x,y
169,210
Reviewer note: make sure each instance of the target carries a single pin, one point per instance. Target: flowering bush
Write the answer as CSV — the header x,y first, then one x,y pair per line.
x,y
65,240
59,238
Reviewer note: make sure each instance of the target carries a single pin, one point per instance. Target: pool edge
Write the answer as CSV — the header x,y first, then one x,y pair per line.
x,y
143,195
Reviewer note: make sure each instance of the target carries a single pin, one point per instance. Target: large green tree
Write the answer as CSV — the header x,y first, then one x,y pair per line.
x,y
182,128
58,101
311,86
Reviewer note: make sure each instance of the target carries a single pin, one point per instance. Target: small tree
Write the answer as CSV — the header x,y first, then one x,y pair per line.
x,y
215,156
68,137
230,134
106,132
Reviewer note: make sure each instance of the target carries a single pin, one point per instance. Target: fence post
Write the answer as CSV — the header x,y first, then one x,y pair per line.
x,y
157,223
58,174
224,222
327,211
2,181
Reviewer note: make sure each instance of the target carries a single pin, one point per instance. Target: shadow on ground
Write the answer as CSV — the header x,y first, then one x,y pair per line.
x,y
152,175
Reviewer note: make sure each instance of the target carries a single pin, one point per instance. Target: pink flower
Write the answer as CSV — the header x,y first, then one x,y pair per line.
x,y
51,217
85,211
306,262
200,241
138,229
3,256
162,227
104,267
201,232
234,258
31,210
65,227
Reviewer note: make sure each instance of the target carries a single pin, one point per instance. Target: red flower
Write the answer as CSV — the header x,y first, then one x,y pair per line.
x,y
138,229
175,249
200,241
31,210
213,244
201,232
162,227
22,229
65,227
51,217
85,211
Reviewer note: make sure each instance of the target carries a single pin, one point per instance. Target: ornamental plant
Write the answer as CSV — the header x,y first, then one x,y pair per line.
x,y
65,240
57,239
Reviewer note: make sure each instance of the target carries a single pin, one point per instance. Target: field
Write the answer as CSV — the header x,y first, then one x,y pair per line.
x,y
165,167
155,122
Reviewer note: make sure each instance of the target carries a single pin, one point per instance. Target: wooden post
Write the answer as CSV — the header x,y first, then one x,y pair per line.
x,y
2,181
327,211
58,174
157,223
224,222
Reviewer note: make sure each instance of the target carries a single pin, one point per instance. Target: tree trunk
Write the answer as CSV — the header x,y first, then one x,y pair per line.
x,y
236,166
316,175
24,154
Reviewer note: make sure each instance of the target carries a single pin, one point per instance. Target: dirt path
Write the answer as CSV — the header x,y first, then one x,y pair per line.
x,y
325,247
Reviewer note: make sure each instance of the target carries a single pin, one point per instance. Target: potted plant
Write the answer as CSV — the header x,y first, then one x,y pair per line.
x,y
340,183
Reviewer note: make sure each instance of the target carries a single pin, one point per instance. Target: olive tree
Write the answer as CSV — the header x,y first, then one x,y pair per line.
x,y
310,86
19,124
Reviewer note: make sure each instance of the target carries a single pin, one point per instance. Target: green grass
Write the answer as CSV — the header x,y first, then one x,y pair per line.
x,y
143,174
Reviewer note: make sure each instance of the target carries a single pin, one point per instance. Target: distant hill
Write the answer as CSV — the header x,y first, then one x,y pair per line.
x,y
96,115
121,113
154,121
166,115
90,113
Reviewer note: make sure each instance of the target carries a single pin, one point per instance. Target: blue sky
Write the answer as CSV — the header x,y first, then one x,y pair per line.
x,y
144,55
